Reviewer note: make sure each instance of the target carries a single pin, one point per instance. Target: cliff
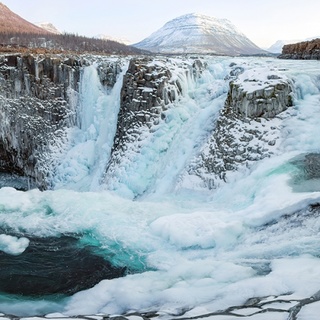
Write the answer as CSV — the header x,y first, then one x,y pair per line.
x,y
41,99
36,102
306,50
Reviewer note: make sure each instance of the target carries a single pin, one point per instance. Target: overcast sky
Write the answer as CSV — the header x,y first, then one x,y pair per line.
x,y
263,22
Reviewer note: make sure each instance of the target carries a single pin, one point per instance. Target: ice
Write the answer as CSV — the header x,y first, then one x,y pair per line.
x,y
259,78
162,157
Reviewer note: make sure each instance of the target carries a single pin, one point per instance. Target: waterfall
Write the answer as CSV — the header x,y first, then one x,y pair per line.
x,y
90,142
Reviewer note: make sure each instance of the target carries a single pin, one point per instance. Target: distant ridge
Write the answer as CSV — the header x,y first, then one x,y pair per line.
x,y
196,33
13,23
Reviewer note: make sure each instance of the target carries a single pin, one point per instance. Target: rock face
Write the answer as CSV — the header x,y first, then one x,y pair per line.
x,y
306,50
259,94
39,101
38,98
147,90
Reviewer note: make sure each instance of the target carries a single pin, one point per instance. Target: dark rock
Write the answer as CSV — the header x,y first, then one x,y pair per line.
x,y
149,90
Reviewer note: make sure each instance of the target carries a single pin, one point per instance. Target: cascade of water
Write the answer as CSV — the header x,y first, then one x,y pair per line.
x,y
91,141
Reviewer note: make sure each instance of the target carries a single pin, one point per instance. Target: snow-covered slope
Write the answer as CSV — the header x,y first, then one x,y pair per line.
x,y
195,33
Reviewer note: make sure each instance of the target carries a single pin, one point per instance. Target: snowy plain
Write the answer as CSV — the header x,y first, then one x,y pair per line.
x,y
189,250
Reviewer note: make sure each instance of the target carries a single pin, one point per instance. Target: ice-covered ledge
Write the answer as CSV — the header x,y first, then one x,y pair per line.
x,y
284,307
260,92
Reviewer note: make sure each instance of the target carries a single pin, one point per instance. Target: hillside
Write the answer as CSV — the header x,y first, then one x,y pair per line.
x,y
13,23
195,33
19,35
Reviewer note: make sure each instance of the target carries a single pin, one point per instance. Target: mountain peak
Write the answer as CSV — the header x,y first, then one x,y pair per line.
x,y
198,33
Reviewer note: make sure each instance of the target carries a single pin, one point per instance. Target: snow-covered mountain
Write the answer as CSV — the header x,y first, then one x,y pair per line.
x,y
48,26
196,33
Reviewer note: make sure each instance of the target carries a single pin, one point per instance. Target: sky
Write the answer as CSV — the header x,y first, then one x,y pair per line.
x,y
263,22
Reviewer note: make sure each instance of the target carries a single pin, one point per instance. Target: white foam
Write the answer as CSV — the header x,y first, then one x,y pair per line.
x,y
13,245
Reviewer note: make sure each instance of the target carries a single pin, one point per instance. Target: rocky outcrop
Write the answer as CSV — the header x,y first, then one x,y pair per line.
x,y
39,100
145,93
259,93
306,50
150,87
243,132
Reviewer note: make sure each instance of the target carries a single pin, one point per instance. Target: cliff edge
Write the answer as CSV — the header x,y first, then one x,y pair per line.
x,y
306,50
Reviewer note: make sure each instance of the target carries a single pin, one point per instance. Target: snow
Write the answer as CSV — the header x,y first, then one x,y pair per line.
x,y
189,248
260,79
